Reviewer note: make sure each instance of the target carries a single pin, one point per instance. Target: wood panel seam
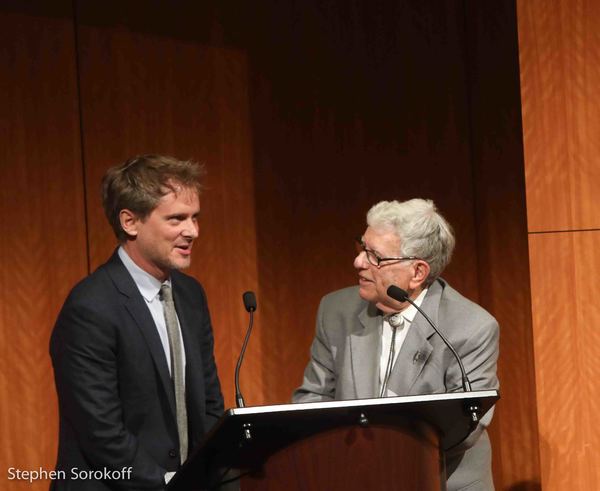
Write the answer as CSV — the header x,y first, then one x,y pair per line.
x,y
540,232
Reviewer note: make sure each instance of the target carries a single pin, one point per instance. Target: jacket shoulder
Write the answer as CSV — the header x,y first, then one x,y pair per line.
x,y
186,280
456,305
345,297
342,305
91,287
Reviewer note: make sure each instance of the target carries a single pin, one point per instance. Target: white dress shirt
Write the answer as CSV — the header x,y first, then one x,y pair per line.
x,y
149,287
408,315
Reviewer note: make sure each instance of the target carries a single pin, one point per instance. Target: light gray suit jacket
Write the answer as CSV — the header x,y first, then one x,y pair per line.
x,y
345,357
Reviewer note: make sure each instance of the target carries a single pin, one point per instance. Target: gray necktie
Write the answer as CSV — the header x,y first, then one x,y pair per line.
x,y
177,373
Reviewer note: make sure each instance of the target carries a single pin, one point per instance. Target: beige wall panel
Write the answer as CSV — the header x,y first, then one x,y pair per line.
x,y
566,316
559,46
42,226
149,93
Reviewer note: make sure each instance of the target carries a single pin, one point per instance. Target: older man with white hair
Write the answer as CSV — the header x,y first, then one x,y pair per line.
x,y
370,345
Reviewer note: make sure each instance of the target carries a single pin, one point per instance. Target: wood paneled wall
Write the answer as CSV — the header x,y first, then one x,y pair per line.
x,y
502,251
42,225
559,44
331,140
171,93
566,316
305,116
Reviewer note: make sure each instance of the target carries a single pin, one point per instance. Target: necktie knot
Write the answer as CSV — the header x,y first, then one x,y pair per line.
x,y
166,293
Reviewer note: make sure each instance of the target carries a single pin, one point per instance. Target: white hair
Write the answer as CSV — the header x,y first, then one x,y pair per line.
x,y
422,231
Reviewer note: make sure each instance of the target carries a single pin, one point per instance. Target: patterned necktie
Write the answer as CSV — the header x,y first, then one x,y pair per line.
x,y
177,373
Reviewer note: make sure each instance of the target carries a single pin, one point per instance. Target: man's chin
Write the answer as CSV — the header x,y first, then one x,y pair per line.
x,y
184,265
372,296
367,294
180,264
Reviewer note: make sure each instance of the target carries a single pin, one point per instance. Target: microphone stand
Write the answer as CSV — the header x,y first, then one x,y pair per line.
x,y
250,306
473,408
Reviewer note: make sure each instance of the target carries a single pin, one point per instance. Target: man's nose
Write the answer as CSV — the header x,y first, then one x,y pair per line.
x,y
360,261
191,229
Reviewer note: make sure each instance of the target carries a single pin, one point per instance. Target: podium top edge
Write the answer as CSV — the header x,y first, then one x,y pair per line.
x,y
355,403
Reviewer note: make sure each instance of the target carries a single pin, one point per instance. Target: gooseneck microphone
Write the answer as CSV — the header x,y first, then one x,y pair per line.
x,y
401,295
250,306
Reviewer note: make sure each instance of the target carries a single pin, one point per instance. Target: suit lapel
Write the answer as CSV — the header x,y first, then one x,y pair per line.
x,y
416,348
191,320
413,355
137,308
365,345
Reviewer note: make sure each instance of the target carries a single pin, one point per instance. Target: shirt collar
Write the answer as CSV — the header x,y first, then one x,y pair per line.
x,y
148,285
410,312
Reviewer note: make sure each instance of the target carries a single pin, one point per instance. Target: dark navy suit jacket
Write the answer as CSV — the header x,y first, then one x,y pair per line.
x,y
116,398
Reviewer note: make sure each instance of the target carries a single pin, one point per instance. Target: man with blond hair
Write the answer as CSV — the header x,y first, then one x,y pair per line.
x,y
132,347
370,345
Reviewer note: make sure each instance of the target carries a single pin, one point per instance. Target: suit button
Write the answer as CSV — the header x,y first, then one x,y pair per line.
x,y
172,453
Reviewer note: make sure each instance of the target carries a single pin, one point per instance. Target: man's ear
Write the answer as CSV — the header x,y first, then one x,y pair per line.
x,y
420,275
129,222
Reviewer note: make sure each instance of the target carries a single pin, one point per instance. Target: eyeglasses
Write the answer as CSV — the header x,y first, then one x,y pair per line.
x,y
374,258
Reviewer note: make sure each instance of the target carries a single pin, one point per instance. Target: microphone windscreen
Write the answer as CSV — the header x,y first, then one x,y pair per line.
x,y
397,293
249,301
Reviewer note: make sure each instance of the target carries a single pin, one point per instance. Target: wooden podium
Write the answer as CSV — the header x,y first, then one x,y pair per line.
x,y
366,444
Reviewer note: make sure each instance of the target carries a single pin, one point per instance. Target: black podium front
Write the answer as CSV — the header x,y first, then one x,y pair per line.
x,y
384,443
